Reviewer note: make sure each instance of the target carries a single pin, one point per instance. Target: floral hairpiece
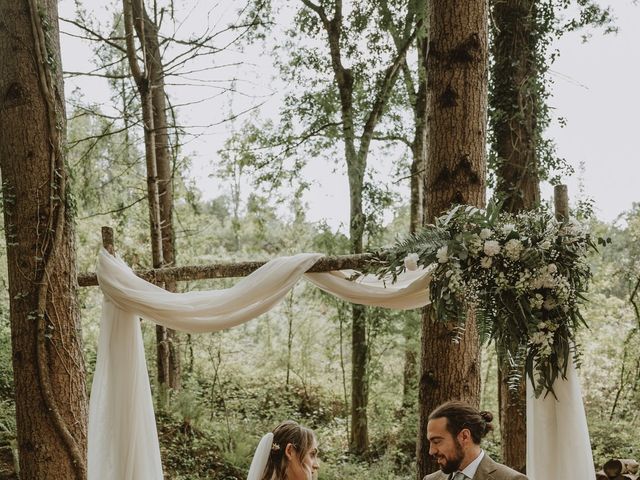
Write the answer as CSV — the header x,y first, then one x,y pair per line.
x,y
275,447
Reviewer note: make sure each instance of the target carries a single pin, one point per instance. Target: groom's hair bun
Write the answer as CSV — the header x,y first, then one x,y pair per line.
x,y
488,418
461,415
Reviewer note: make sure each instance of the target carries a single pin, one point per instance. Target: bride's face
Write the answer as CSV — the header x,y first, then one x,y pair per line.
x,y
305,469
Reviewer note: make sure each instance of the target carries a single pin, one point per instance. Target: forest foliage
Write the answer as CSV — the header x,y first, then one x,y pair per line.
x,y
294,361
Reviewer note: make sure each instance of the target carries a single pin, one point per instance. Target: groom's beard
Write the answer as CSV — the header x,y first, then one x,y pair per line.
x,y
453,464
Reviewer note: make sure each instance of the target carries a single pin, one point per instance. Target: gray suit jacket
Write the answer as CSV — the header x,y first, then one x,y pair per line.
x,y
487,470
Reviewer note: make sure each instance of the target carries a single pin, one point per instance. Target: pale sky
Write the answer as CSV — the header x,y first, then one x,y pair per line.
x,y
595,90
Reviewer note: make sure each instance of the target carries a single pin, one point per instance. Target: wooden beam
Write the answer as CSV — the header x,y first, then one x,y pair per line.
x,y
232,269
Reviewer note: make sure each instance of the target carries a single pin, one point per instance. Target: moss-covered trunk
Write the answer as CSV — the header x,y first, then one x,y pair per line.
x,y
49,375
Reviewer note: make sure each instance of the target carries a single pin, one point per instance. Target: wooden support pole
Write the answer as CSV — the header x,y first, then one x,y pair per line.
x,y
561,202
107,240
221,270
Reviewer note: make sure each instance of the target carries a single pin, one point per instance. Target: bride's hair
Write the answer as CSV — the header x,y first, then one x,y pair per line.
x,y
288,432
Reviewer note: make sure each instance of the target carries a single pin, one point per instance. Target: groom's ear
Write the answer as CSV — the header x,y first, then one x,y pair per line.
x,y
464,435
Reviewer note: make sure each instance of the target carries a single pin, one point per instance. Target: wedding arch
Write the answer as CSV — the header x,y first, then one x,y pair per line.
x,y
123,441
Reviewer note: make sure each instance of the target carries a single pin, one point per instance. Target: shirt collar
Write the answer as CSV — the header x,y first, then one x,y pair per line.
x,y
471,469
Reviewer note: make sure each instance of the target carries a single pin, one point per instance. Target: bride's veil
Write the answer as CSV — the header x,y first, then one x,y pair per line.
x,y
261,457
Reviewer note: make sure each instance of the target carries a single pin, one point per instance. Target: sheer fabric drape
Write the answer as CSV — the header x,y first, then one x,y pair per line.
x,y
123,441
558,445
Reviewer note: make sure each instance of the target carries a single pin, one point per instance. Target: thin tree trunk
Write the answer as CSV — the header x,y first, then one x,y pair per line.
x,y
151,88
455,173
515,104
341,308
141,78
356,160
49,375
359,441
416,220
289,314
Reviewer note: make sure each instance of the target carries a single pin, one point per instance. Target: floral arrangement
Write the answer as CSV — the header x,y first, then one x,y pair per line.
x,y
525,275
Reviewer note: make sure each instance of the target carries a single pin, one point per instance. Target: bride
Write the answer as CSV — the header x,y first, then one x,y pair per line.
x,y
290,452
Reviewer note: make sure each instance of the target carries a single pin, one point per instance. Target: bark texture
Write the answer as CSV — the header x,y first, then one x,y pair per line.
x,y
49,375
455,174
515,105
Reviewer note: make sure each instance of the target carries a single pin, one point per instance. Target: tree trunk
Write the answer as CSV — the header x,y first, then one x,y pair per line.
x,y
416,218
455,173
359,441
515,104
49,376
512,404
356,160
167,359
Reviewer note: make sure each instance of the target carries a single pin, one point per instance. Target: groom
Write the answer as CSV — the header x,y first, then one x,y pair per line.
x,y
454,431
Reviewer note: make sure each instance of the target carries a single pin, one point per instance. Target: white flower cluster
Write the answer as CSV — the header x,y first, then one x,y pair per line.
x,y
491,248
543,338
513,248
456,282
524,273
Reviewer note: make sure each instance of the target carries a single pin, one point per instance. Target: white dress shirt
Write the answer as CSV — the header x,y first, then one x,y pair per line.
x,y
470,470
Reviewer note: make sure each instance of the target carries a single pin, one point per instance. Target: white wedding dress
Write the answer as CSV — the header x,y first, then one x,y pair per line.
x,y
123,441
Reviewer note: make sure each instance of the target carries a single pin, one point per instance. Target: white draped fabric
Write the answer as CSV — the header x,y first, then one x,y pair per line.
x,y
123,441
558,445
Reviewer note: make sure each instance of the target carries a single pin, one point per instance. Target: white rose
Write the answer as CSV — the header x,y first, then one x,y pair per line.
x,y
513,249
491,247
552,268
485,233
507,228
546,245
486,262
411,261
442,254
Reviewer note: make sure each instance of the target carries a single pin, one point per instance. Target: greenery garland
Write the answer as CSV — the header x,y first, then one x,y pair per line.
x,y
525,275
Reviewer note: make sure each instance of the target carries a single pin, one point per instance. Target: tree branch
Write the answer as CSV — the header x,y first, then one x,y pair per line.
x,y
232,269
137,74
98,36
115,210
69,74
383,93
318,9
392,138
632,299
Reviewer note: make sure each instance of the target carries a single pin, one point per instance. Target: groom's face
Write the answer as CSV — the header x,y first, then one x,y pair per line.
x,y
443,446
